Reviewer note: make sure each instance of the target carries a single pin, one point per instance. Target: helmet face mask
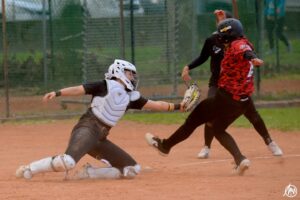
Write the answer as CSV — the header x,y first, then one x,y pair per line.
x,y
118,70
132,77
135,80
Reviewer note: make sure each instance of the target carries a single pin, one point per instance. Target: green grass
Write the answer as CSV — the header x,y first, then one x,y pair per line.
x,y
286,58
284,119
23,56
157,117
283,76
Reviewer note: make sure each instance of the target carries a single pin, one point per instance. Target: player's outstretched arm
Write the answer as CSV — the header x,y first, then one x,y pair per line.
x,y
162,106
70,91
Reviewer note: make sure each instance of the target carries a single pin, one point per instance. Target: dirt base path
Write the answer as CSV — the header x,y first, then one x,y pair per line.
x,y
179,176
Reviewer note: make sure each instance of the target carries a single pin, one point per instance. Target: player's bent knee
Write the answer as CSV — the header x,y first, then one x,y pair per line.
x,y
131,171
62,163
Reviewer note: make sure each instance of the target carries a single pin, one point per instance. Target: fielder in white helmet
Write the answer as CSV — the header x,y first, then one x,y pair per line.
x,y
111,98
117,70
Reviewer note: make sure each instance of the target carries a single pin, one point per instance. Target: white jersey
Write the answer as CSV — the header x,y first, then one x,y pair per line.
x,y
111,107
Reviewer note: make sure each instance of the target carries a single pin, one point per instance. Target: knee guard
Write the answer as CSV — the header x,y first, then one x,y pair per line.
x,y
57,163
61,163
131,171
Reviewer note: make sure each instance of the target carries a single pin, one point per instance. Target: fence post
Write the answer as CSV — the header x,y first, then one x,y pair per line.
x,y
122,31
176,46
51,39
85,48
5,66
132,32
45,45
194,28
276,38
259,5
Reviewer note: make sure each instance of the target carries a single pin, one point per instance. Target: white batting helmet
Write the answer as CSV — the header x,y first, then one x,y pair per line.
x,y
117,70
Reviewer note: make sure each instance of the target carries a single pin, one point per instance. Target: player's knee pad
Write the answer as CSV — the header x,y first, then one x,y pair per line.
x,y
62,163
131,171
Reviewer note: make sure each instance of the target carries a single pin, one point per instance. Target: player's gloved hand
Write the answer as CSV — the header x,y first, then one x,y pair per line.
x,y
191,98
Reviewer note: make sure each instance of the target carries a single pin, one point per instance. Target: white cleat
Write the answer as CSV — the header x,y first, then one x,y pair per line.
x,y
242,167
204,153
24,172
149,138
275,149
157,143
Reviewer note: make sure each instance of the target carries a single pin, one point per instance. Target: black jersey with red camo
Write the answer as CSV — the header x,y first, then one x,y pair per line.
x,y
236,75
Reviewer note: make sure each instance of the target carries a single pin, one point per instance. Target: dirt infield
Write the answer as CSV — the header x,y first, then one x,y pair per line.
x,y
179,176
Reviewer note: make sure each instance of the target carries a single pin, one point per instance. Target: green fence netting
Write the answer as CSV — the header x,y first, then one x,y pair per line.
x,y
58,43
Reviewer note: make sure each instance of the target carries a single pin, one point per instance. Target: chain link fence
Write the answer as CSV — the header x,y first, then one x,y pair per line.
x,y
58,43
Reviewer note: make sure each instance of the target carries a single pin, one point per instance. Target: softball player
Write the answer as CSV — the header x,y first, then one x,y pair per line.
x,y
232,98
214,48
110,100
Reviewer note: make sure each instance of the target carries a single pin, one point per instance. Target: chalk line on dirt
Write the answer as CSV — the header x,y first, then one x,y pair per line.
x,y
230,159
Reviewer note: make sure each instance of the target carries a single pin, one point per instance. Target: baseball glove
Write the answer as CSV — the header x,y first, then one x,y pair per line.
x,y
191,98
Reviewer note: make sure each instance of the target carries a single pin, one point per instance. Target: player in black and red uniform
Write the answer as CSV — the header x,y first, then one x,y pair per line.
x,y
232,98
214,48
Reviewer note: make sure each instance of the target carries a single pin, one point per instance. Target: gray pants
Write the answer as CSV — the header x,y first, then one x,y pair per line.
x,y
89,137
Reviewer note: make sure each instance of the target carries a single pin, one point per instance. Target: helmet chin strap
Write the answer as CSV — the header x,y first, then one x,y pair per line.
x,y
120,81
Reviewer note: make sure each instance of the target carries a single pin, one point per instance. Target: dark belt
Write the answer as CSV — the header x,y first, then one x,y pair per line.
x,y
100,122
104,128
103,124
235,97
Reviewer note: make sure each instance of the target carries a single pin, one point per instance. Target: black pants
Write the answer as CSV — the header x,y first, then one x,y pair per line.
x,y
221,110
89,136
251,114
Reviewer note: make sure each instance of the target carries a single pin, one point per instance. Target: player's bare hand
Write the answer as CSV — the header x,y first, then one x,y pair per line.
x,y
220,15
257,61
48,96
185,74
